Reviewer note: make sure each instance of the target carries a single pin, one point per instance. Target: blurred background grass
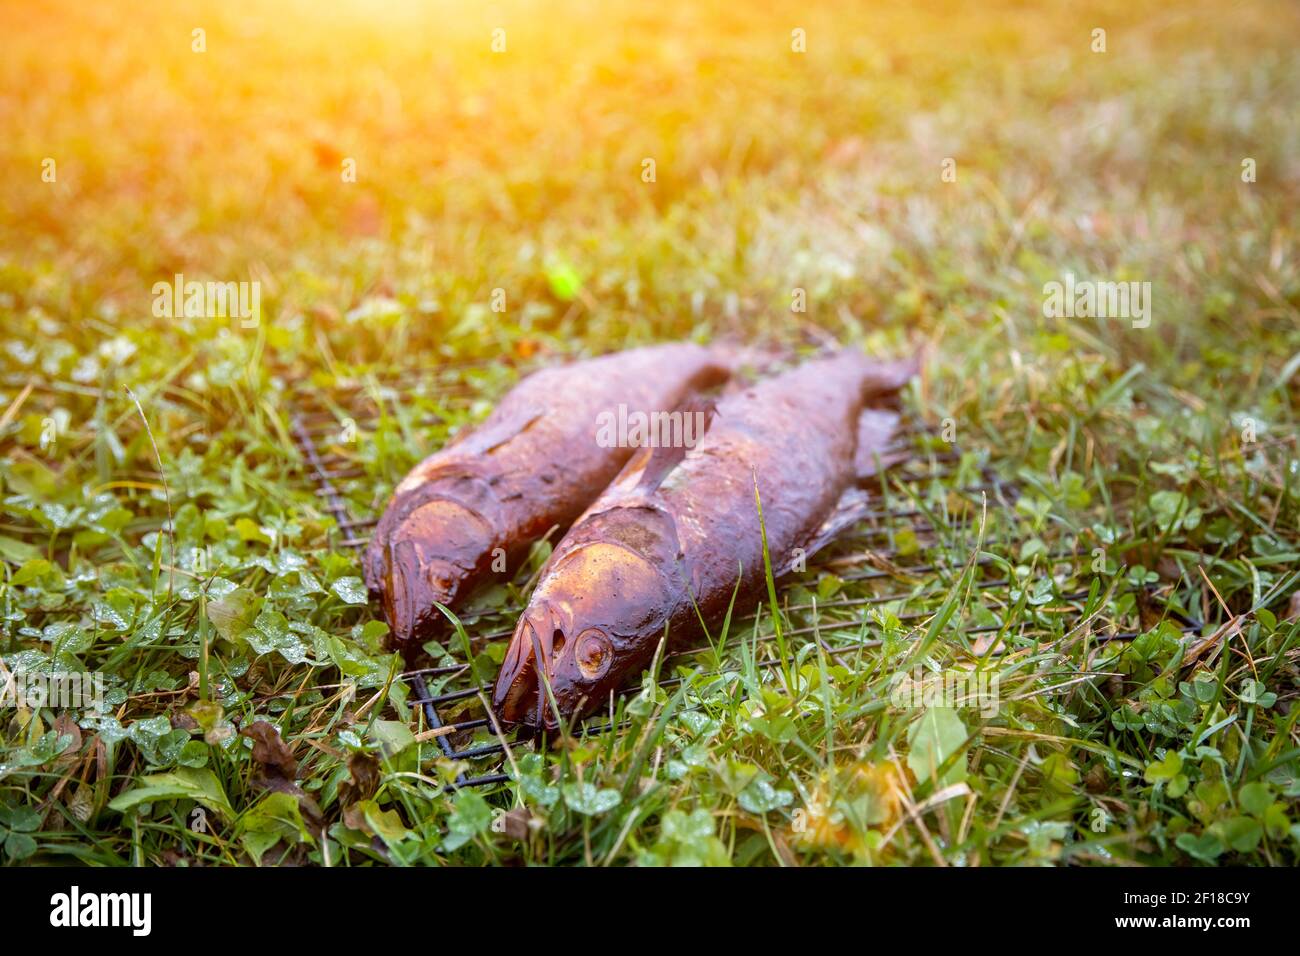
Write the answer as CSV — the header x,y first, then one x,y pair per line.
x,y
479,170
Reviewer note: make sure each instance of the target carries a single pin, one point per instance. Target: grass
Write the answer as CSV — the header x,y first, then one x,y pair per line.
x,y
1156,466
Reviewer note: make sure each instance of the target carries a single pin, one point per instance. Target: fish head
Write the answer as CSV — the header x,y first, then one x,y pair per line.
x,y
591,621
427,560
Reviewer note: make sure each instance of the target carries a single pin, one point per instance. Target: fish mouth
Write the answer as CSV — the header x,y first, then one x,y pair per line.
x,y
518,697
428,561
416,585
522,695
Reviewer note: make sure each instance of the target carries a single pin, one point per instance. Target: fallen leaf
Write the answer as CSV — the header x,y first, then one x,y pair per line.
x,y
270,751
514,823
363,771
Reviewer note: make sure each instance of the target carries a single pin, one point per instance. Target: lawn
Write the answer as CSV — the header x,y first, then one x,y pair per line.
x,y
1097,518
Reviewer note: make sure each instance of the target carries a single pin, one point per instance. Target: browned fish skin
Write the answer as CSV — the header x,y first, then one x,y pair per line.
x,y
533,464
630,566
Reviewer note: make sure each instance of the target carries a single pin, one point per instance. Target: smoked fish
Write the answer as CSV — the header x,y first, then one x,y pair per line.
x,y
474,507
677,533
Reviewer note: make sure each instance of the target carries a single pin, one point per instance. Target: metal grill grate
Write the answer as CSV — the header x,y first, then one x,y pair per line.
x,y
929,505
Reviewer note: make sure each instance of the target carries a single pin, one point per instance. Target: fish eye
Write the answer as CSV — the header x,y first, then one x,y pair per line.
x,y
593,653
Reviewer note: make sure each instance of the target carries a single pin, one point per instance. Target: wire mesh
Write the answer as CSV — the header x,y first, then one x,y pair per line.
x,y
939,501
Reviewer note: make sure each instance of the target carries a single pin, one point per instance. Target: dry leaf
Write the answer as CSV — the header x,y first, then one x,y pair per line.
x,y
364,780
270,751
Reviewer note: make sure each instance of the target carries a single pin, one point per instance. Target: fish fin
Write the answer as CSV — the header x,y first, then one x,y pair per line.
x,y
748,361
854,505
489,437
468,444
663,460
876,426
650,464
888,377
